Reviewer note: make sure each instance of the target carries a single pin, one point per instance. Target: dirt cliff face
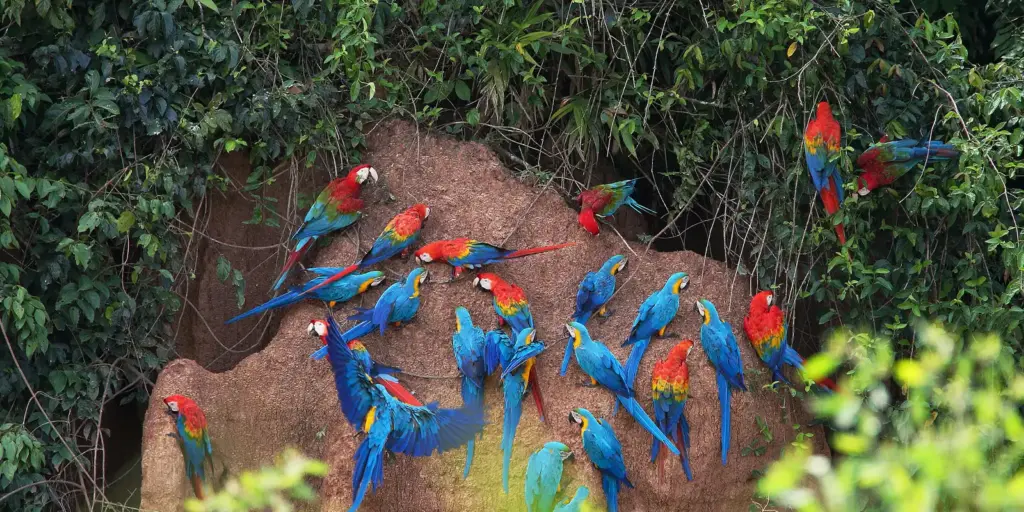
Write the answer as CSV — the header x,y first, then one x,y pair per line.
x,y
279,397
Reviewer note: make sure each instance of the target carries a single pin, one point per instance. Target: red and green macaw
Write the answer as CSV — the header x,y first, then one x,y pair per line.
x,y
821,150
604,200
512,308
463,253
765,325
605,454
670,387
389,424
470,350
719,344
887,160
190,423
382,374
341,291
398,237
337,207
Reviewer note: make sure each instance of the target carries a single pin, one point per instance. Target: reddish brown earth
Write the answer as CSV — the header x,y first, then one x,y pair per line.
x,y
278,397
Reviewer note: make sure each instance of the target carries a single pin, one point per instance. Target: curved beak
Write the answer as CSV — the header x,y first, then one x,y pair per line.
x,y
567,455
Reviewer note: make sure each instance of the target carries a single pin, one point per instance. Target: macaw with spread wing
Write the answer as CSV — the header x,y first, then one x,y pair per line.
x,y
887,160
719,343
765,325
604,370
389,424
604,200
194,438
670,387
397,305
501,351
337,207
512,308
341,291
605,454
470,350
463,253
544,480
398,237
382,374
821,150
656,312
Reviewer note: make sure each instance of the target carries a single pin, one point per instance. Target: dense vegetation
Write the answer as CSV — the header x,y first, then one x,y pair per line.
x,y
115,111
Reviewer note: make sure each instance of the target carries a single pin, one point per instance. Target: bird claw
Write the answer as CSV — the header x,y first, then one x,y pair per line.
x,y
605,313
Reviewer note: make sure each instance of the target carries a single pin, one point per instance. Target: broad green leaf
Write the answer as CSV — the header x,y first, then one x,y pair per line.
x,y
210,5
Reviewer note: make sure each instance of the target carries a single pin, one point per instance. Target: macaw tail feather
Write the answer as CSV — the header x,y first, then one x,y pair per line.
x,y
566,358
346,271
472,395
286,298
938,150
197,487
538,399
611,491
469,458
368,469
723,400
637,412
633,363
293,258
639,207
536,250
684,432
513,411
841,233
398,391
581,317
825,383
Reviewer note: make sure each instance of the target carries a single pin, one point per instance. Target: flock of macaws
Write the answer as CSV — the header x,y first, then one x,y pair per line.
x,y
393,419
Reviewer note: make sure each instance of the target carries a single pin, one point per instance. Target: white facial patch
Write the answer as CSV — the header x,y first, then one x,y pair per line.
x,y
173,406
570,330
425,258
377,280
769,299
423,277
426,212
685,283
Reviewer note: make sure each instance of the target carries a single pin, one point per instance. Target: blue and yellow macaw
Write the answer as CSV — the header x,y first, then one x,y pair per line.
x,y
544,480
397,305
605,453
604,370
500,352
194,438
575,503
391,425
656,312
719,344
595,291
397,238
470,351
341,291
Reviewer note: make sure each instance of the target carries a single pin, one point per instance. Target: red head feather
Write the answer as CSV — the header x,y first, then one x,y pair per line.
x,y
442,250
195,420
587,219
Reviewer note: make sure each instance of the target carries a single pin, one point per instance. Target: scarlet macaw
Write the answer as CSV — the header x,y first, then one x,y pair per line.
x,y
765,325
604,370
397,305
341,291
512,308
398,236
391,425
337,207
382,374
499,352
605,453
544,480
821,150
596,289
656,312
190,423
469,347
887,160
719,344
670,387
463,253
604,200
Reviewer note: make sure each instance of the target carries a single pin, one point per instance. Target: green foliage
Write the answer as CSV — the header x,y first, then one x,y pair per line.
x,y
956,443
271,488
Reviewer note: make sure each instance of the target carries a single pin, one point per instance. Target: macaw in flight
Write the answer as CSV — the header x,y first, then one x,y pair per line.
x,y
604,200
337,207
398,237
463,253
341,291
